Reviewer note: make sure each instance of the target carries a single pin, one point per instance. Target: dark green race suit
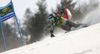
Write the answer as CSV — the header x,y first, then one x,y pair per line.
x,y
64,24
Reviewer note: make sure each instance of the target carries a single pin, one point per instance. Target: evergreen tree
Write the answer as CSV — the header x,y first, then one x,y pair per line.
x,y
37,22
27,16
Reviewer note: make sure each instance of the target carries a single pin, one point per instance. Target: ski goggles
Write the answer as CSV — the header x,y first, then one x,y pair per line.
x,y
52,19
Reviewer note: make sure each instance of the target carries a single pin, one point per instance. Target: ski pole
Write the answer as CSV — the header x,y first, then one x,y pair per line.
x,y
67,4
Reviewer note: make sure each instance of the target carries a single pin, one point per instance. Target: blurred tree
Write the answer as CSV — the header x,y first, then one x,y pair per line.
x,y
37,22
27,16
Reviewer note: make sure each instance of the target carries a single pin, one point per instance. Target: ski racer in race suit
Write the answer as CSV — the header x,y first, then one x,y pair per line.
x,y
61,21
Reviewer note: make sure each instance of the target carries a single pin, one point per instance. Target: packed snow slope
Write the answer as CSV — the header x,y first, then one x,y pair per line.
x,y
82,41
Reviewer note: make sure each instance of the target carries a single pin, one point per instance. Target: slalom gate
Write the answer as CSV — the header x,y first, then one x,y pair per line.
x,y
6,13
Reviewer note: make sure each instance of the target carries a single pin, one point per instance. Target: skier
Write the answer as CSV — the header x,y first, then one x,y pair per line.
x,y
61,20
60,23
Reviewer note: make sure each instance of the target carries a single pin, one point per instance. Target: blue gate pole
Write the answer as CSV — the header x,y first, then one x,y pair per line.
x,y
18,25
19,31
3,37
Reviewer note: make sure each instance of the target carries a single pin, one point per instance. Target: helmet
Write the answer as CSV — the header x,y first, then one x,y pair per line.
x,y
51,17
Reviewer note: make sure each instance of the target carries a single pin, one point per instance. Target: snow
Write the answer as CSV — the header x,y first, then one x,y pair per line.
x,y
82,41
